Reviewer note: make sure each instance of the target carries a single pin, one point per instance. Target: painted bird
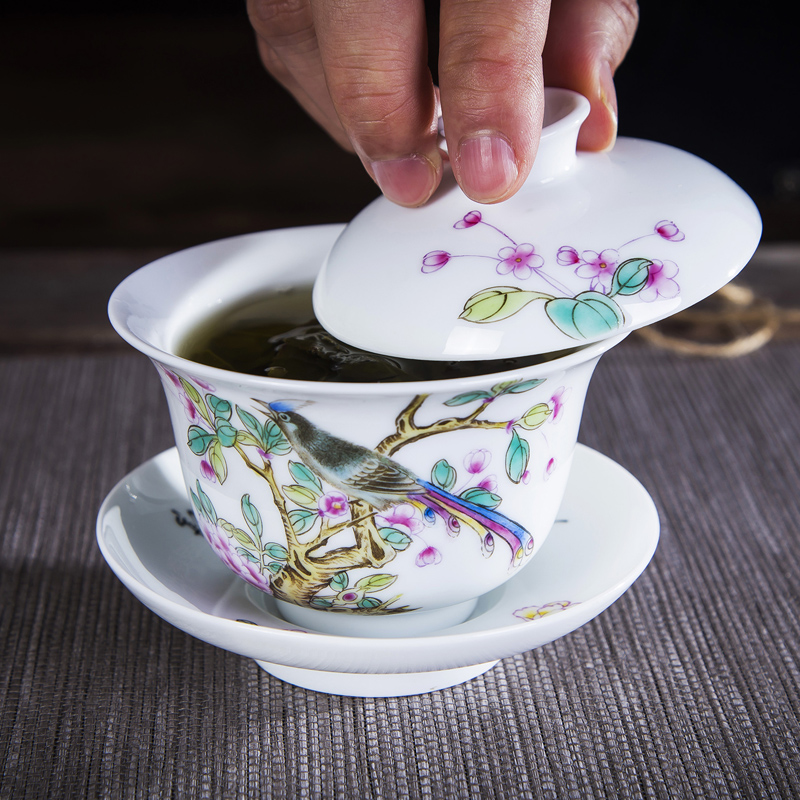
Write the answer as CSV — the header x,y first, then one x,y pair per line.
x,y
382,482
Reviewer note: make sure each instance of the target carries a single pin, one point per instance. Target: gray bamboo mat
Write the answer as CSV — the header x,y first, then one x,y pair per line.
x,y
689,686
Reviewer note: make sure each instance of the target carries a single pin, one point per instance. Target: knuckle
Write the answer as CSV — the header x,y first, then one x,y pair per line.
x,y
628,12
493,54
378,119
620,20
280,21
486,81
273,64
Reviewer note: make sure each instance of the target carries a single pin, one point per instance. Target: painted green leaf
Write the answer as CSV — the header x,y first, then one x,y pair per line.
x,y
217,461
247,439
320,602
276,443
305,477
499,302
535,416
339,582
253,425
221,409
274,567
631,276
196,502
588,315
443,475
397,539
193,395
248,555
276,551
252,516
368,603
467,397
241,536
481,497
302,520
226,433
372,583
206,506
523,386
501,388
199,439
300,495
517,457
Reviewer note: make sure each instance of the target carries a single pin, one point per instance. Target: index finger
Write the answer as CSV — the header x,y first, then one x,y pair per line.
x,y
374,54
492,91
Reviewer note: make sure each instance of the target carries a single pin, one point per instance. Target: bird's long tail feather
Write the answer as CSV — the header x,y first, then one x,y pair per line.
x,y
487,522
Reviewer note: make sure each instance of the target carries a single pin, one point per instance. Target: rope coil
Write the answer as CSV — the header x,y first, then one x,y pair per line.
x,y
745,322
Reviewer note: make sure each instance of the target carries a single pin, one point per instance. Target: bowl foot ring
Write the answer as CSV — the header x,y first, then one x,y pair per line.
x,y
350,684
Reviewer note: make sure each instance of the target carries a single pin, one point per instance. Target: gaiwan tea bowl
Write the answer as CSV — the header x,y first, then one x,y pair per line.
x,y
364,509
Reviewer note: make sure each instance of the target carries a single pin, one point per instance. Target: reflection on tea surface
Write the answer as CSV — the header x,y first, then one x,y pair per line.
x,y
276,335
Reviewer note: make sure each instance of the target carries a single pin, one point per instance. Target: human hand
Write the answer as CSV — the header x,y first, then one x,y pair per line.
x,y
359,68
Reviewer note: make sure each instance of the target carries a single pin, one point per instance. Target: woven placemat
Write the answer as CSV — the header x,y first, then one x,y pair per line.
x,y
689,686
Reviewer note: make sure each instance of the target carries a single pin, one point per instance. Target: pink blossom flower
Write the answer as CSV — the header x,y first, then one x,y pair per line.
x,y
434,260
173,377
189,408
550,468
520,260
477,460
670,231
204,385
253,575
660,282
567,256
333,504
403,517
207,471
228,555
557,401
428,556
489,483
470,218
599,267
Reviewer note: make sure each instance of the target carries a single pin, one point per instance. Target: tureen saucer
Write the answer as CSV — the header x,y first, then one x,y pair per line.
x,y
607,533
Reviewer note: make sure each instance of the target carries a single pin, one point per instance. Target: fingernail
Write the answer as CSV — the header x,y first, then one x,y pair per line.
x,y
408,181
486,167
608,97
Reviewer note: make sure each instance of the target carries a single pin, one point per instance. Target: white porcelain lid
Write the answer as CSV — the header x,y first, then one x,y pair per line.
x,y
593,244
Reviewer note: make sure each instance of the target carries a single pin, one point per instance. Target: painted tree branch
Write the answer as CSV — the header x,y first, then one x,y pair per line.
x,y
306,574
407,431
268,475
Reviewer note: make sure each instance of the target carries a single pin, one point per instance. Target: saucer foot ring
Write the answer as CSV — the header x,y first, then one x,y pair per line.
x,y
380,685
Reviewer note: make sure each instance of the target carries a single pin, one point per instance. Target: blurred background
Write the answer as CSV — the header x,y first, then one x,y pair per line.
x,y
132,129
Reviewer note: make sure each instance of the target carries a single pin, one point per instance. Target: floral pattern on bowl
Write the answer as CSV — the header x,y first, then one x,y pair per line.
x,y
309,566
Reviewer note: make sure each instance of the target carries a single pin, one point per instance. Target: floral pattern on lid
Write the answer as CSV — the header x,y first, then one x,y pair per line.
x,y
579,313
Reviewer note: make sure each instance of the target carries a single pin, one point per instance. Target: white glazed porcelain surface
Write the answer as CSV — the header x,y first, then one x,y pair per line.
x,y
286,477
606,533
592,245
